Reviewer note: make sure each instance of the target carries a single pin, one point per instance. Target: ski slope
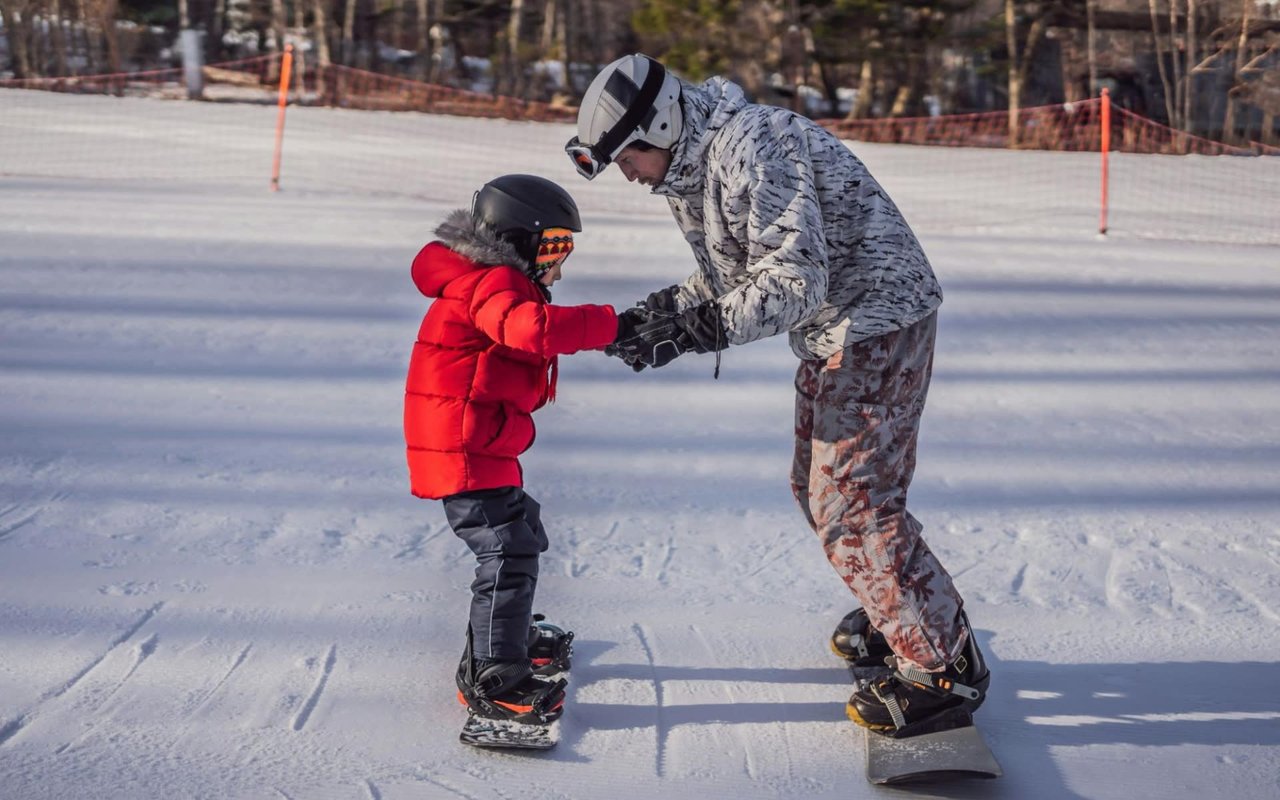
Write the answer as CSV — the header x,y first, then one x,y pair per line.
x,y
214,583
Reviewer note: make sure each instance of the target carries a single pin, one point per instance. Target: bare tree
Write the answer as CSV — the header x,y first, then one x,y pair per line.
x,y
511,66
347,52
1020,59
17,17
1192,54
1229,116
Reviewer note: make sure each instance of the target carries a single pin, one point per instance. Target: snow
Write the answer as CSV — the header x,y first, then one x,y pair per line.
x,y
214,583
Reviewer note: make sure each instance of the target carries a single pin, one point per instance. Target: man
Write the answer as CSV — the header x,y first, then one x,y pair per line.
x,y
792,234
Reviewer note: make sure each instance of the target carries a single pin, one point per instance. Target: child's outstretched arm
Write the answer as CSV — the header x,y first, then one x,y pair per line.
x,y
504,311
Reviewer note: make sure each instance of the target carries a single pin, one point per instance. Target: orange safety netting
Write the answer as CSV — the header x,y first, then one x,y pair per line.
x,y
347,87
1064,126
255,71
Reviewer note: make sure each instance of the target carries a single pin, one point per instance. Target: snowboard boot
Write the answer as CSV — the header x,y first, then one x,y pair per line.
x,y
910,701
858,643
509,691
550,648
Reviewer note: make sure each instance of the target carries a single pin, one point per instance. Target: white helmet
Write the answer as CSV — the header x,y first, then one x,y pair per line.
x,y
632,99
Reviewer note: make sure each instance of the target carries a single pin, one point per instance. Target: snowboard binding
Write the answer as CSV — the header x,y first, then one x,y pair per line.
x,y
550,648
863,648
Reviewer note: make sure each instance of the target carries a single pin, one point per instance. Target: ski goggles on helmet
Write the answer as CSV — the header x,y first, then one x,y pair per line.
x,y
591,159
586,159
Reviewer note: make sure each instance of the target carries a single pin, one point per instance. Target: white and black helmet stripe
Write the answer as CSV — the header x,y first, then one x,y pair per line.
x,y
625,91
640,108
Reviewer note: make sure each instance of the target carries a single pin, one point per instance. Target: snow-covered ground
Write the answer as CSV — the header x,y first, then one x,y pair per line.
x,y
214,583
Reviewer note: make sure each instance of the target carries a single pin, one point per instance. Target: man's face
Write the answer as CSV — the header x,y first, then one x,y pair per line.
x,y
647,166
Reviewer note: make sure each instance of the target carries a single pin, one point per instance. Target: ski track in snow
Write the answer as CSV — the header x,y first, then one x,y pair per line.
x,y
304,713
142,652
15,516
744,744
209,696
15,726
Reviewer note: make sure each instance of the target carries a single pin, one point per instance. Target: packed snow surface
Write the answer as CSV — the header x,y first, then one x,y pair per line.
x,y
215,584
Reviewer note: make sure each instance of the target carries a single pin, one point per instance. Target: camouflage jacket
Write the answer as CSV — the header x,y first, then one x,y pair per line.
x,y
789,229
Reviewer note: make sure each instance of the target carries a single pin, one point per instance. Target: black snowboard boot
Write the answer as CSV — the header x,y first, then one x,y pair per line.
x,y
509,690
550,647
909,701
858,643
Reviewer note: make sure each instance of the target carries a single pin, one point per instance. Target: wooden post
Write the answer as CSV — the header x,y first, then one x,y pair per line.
x,y
286,67
1106,150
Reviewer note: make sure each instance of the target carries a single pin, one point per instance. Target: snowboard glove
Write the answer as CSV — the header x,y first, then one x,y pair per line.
x,y
656,338
661,300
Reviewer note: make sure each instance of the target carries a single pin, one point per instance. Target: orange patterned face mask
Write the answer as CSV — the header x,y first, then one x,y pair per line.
x,y
554,247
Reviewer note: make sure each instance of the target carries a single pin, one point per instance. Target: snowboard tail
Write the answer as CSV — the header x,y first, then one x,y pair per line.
x,y
481,732
945,750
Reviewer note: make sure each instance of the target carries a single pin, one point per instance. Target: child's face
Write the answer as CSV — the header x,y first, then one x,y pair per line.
x,y
550,276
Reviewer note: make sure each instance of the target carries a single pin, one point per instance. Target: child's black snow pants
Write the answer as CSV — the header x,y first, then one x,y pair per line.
x,y
503,527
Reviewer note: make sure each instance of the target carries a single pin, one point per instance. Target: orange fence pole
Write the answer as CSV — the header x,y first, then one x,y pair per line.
x,y
1106,150
285,67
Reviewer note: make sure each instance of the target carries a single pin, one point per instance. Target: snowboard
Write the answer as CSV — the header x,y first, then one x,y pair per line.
x,y
946,748
506,734
551,661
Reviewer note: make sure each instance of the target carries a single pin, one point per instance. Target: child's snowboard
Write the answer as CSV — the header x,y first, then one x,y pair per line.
x,y
550,649
501,733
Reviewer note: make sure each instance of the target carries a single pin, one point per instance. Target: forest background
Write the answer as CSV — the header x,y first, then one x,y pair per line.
x,y
1208,67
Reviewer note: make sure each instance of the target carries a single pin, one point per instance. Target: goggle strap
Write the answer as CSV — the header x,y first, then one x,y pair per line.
x,y
634,115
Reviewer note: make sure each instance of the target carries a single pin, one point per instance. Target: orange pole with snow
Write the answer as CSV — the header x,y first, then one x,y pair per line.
x,y
286,66
1106,150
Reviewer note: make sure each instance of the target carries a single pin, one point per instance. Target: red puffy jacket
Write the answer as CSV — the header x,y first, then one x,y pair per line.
x,y
485,359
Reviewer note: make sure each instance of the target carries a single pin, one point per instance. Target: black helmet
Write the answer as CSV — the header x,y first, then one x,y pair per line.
x,y
516,205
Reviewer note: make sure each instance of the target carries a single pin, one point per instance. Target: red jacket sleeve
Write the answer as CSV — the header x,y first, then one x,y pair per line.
x,y
510,314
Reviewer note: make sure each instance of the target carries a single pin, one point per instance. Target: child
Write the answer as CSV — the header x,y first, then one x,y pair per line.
x,y
485,359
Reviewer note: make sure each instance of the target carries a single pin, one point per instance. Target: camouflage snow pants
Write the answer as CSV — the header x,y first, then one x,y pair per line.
x,y
857,419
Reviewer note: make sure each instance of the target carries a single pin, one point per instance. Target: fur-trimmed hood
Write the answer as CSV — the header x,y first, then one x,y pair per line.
x,y
465,235
465,244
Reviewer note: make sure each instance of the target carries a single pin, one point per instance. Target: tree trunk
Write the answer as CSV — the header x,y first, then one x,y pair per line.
x,y
866,91
277,26
107,19
59,39
512,67
90,44
1164,75
299,57
423,39
549,23
569,30
1193,55
1015,73
17,25
1229,118
1175,67
213,50
347,52
320,35
1091,45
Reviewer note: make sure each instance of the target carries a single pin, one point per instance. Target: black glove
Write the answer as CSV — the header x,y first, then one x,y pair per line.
x,y
661,300
656,338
